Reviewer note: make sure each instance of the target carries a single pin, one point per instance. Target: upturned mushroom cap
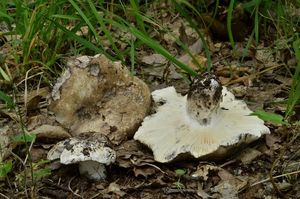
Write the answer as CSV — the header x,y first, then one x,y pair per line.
x,y
174,131
74,150
90,153
98,95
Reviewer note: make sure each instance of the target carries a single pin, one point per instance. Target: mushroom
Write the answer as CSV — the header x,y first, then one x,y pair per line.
x,y
98,95
206,123
91,153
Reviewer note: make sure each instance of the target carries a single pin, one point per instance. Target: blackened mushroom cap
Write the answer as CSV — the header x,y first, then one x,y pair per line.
x,y
91,153
174,131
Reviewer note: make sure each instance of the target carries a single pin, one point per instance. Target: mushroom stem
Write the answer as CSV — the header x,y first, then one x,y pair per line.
x,y
92,170
204,97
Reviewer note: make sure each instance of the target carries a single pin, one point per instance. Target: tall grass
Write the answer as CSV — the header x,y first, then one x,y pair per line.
x,y
294,94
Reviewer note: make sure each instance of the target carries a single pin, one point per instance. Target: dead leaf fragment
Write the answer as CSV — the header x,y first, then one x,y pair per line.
x,y
154,59
248,155
49,133
144,171
203,171
115,189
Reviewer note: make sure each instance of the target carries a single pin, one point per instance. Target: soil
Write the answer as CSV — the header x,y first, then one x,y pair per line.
x,y
268,168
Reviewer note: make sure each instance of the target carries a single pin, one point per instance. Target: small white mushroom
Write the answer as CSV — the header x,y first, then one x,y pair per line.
x,y
207,122
91,154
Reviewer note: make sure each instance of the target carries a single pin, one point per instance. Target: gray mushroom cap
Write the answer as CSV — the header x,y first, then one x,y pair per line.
x,y
91,154
173,131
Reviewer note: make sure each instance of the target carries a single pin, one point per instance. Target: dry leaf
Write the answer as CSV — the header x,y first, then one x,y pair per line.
x,y
248,155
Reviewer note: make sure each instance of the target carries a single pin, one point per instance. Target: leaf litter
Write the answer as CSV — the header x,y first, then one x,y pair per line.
x,y
246,174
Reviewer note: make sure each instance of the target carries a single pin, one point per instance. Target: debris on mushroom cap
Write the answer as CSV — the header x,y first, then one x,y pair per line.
x,y
98,95
91,153
174,131
204,97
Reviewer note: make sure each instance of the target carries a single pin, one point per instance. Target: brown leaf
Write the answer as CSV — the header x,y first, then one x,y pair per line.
x,y
115,189
248,155
144,171
203,171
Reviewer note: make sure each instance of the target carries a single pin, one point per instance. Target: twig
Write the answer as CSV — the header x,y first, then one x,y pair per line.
x,y
47,182
152,165
227,163
275,177
69,186
4,196
171,191
53,193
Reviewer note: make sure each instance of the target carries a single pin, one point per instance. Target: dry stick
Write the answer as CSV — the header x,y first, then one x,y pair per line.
x,y
272,179
47,182
4,196
171,191
248,76
69,186
152,165
275,177
29,149
26,90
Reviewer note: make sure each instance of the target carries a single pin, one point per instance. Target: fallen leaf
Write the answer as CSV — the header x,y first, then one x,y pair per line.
x,y
144,171
154,59
225,190
248,155
115,189
234,181
203,171
49,133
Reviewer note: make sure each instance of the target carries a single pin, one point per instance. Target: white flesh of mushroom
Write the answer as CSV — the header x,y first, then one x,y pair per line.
x,y
91,155
181,126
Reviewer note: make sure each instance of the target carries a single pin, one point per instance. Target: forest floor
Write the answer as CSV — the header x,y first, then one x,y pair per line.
x,y
268,168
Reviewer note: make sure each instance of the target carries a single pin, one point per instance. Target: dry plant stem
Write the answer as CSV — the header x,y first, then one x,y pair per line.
x,y
96,195
55,185
4,196
22,126
30,147
17,157
275,177
155,167
32,76
171,191
252,75
227,163
272,179
71,190
26,90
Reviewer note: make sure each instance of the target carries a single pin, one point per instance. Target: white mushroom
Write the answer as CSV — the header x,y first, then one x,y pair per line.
x,y
207,122
91,154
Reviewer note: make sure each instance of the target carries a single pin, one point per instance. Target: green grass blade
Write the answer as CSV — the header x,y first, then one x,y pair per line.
x,y
106,31
294,94
256,25
229,20
183,12
7,99
158,48
269,117
83,41
138,17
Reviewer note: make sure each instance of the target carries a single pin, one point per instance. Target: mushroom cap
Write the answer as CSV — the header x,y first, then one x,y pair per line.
x,y
98,95
75,150
171,132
